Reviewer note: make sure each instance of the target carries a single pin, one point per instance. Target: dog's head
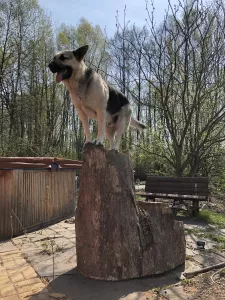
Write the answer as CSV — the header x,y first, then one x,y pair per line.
x,y
66,62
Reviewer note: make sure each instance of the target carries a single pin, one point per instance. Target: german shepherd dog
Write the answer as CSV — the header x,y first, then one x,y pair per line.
x,y
93,97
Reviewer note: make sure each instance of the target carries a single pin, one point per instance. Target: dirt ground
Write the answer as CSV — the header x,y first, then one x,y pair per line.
x,y
208,286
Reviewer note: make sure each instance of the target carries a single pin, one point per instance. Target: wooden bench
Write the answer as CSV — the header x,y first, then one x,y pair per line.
x,y
177,188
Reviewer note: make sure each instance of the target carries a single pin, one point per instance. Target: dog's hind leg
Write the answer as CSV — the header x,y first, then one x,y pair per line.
x,y
122,124
110,133
101,118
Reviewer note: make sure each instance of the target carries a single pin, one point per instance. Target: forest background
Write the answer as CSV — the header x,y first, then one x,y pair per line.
x,y
173,74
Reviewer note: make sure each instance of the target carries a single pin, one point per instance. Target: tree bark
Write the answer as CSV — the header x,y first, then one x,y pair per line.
x,y
116,238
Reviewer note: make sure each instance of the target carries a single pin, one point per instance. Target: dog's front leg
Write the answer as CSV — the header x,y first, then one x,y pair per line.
x,y
101,117
84,120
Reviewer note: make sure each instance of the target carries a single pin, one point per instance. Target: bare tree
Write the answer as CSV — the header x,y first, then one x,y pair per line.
x,y
187,57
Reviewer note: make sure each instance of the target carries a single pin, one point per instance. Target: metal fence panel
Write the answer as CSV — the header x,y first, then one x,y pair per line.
x,y
31,198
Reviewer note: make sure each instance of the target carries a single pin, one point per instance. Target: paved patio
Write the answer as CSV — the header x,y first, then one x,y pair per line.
x,y
30,261
18,279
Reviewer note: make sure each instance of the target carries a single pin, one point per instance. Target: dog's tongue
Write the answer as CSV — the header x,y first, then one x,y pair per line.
x,y
59,77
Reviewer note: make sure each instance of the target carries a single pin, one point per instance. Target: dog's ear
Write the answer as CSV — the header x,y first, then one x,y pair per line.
x,y
80,52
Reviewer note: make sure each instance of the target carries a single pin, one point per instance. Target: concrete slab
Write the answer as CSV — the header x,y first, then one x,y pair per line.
x,y
67,225
208,259
65,244
191,252
191,265
43,263
7,246
48,231
141,296
55,227
44,237
196,258
175,293
29,247
78,287
191,242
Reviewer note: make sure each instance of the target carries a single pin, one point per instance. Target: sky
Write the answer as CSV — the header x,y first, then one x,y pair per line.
x,y
102,12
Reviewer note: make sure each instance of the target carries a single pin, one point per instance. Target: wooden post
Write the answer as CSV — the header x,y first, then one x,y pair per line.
x,y
116,238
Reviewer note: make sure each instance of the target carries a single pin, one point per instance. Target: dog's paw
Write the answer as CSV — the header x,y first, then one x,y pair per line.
x,y
115,149
95,142
98,143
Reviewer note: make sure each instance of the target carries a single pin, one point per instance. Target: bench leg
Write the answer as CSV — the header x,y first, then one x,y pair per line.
x,y
149,198
175,202
195,208
174,211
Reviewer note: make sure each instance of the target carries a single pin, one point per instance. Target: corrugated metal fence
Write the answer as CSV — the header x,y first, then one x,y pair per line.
x,y
31,198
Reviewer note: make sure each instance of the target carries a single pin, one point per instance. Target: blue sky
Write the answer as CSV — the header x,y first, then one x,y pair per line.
x,y
101,12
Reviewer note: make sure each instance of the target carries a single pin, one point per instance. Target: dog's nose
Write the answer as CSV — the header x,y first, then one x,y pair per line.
x,y
51,67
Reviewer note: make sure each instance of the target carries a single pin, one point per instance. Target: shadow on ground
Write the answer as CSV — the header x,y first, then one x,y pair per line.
x,y
77,287
191,221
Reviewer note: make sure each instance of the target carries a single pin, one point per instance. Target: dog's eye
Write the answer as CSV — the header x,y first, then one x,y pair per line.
x,y
62,57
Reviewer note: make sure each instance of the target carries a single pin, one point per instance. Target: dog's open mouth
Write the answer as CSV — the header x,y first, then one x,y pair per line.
x,y
63,74
59,76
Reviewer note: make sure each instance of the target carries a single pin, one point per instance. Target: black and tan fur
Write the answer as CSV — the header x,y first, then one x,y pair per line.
x,y
93,97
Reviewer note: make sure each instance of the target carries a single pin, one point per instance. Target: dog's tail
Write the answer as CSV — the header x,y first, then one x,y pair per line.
x,y
135,123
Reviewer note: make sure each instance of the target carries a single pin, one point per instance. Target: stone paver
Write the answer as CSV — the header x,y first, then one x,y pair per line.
x,y
37,248
175,293
18,280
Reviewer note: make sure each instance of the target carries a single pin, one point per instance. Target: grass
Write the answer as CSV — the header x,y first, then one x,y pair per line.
x,y
195,231
222,272
139,198
156,290
186,281
182,213
215,238
219,248
206,234
212,218
49,247
189,257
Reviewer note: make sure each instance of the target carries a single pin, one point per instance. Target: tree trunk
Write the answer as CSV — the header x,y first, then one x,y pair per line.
x,y
116,238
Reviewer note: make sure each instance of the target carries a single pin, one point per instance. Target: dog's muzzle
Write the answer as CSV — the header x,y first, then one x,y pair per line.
x,y
62,72
53,68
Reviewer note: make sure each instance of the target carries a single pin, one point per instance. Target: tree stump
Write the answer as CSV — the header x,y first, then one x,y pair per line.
x,y
118,238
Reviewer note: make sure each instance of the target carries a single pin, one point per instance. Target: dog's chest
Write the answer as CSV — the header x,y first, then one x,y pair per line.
x,y
81,103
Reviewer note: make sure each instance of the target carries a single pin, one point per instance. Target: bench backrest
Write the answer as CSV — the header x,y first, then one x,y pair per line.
x,y
177,185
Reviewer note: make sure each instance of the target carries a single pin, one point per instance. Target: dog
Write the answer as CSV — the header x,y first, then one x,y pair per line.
x,y
93,97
